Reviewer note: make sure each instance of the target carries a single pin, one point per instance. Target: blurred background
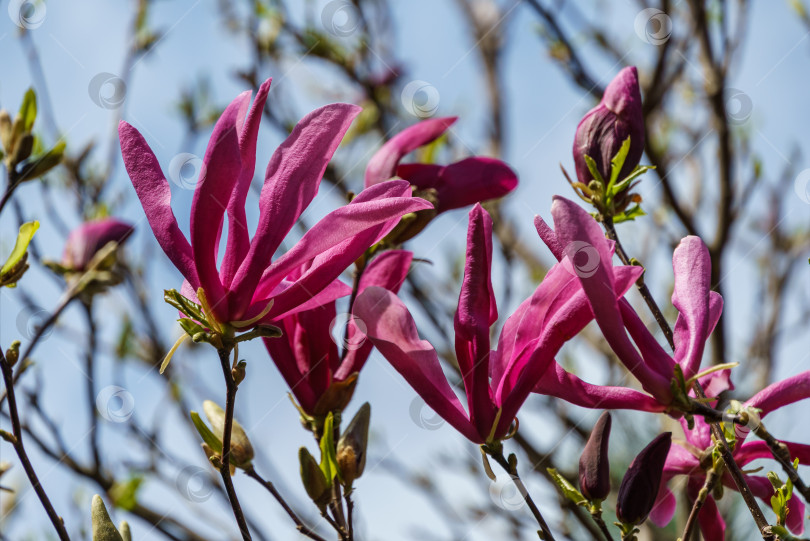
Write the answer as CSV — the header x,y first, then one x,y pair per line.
x,y
724,85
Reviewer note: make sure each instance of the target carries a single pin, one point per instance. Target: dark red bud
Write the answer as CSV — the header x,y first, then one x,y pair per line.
x,y
594,468
640,485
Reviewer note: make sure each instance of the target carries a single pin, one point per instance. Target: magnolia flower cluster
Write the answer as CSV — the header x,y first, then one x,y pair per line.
x,y
297,291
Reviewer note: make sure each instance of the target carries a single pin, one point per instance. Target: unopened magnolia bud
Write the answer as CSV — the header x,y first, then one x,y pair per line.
x,y
313,478
103,527
640,484
604,128
241,452
594,468
23,148
5,130
351,448
13,353
238,372
89,238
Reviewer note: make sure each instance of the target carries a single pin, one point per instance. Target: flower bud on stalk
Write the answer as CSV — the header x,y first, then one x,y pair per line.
x,y
604,128
640,484
594,468
351,448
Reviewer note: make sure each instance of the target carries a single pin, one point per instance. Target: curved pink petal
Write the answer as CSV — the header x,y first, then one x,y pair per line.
x,y
711,522
291,182
692,266
664,508
475,315
651,351
238,234
781,393
153,190
581,237
549,237
559,383
757,449
382,166
84,241
680,461
462,183
392,330
220,170
387,270
700,434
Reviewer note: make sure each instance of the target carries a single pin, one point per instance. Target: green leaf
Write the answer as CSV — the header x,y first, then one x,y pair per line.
x,y
594,171
629,215
625,183
241,452
328,459
184,305
125,495
190,326
27,231
28,109
103,527
617,163
39,165
568,490
205,433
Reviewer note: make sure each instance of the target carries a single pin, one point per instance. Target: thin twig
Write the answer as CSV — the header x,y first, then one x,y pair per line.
x,y
17,442
225,466
712,476
270,487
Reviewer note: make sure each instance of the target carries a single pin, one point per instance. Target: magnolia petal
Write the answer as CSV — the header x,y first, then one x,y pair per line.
x,y
692,266
220,170
549,237
247,126
664,508
781,393
291,182
153,190
382,166
393,331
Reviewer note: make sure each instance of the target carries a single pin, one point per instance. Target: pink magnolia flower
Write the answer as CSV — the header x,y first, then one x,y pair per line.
x,y
307,354
579,238
248,279
604,128
685,456
457,185
498,381
90,237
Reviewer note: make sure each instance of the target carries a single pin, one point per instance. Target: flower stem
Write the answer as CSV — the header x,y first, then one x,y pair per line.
x,y
225,466
19,448
597,517
712,476
299,524
510,467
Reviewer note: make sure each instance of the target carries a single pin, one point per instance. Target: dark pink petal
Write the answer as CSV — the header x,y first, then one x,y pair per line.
x,y
559,383
382,166
716,383
711,522
333,291
753,450
238,235
475,315
291,182
589,255
781,393
549,237
692,267
156,197
665,504
90,237
651,351
283,352
387,270
220,170
700,435
463,183
392,330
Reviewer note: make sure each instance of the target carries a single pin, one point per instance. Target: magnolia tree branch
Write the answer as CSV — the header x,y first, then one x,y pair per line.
x,y
225,464
712,477
16,439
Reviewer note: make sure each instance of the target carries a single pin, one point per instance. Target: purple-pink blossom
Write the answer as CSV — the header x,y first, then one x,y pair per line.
x,y
90,237
248,278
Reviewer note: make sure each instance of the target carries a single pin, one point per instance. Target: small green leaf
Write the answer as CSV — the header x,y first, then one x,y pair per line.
x,y
190,326
24,237
629,215
617,163
327,444
39,165
28,110
184,305
241,452
205,433
125,495
593,169
568,490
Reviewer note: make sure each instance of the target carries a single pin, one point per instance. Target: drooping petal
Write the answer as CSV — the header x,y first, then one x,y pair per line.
x,y
558,382
291,182
247,126
475,315
651,351
283,353
156,196
462,183
549,237
580,235
387,270
382,166
221,167
692,266
758,449
392,330
781,393
665,504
